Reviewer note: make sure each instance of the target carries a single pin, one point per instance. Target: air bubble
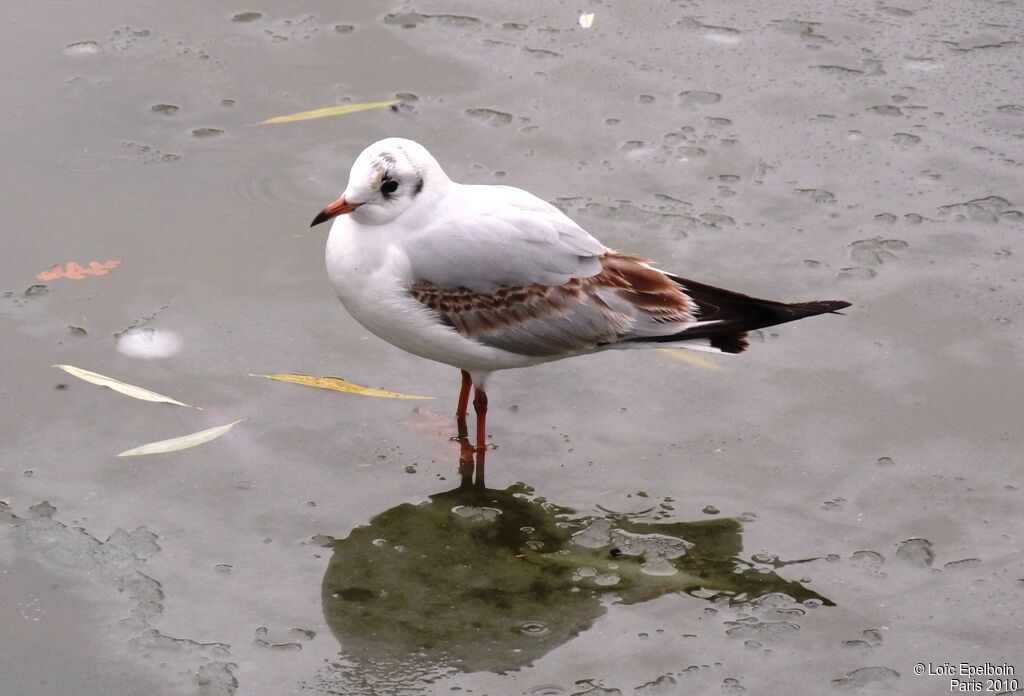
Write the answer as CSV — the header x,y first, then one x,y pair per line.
x,y
534,629
917,552
82,48
476,514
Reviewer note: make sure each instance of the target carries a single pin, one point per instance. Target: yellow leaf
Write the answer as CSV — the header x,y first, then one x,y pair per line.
x,y
691,358
330,111
339,384
121,387
180,443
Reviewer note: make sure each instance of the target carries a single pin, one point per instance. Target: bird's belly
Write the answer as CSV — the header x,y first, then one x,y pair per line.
x,y
384,307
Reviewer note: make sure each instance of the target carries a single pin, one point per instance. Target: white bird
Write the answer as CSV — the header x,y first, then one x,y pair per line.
x,y
488,278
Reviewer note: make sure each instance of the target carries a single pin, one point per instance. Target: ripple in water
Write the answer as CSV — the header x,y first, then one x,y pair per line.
x,y
594,536
866,678
905,139
491,117
584,572
82,48
207,132
649,545
85,164
609,579
695,98
658,566
266,188
410,19
476,514
534,629
711,32
917,552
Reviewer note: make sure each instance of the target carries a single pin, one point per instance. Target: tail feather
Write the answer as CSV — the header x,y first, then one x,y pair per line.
x,y
726,316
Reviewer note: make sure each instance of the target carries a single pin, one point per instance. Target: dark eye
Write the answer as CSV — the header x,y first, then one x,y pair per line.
x,y
389,186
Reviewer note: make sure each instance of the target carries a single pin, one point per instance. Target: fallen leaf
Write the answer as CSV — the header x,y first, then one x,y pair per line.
x,y
427,422
52,274
330,111
587,20
433,427
180,443
691,358
101,269
126,389
339,384
75,271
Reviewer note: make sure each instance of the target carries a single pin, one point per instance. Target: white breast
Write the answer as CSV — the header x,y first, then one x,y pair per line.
x,y
371,275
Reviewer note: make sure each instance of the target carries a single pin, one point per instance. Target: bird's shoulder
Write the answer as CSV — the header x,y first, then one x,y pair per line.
x,y
485,237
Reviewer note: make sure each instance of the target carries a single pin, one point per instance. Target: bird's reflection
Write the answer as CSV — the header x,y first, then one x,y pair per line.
x,y
482,579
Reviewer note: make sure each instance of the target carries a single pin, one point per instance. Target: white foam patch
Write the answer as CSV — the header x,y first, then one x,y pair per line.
x,y
148,344
722,38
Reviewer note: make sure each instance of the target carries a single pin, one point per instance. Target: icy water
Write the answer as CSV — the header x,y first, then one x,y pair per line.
x,y
816,516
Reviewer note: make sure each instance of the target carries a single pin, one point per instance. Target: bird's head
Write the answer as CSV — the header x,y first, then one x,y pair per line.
x,y
387,178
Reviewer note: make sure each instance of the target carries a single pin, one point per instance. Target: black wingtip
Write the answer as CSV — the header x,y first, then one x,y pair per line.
x,y
825,306
732,343
733,314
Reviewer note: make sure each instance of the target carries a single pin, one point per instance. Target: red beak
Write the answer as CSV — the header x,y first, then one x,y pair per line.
x,y
338,207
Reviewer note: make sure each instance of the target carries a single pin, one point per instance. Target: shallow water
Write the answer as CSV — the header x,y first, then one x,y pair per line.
x,y
827,510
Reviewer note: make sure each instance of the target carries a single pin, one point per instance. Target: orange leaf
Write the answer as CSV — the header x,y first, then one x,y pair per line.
x,y
427,422
75,271
54,273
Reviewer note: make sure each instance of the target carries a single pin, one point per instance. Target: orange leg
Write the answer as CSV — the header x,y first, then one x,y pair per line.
x,y
463,407
466,461
480,406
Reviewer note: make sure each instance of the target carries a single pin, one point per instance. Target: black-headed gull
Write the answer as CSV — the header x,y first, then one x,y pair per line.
x,y
488,278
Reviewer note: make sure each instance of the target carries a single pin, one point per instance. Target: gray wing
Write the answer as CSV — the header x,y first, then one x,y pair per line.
x,y
493,237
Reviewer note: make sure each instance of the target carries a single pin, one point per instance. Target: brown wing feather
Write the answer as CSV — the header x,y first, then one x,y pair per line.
x,y
625,298
626,302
